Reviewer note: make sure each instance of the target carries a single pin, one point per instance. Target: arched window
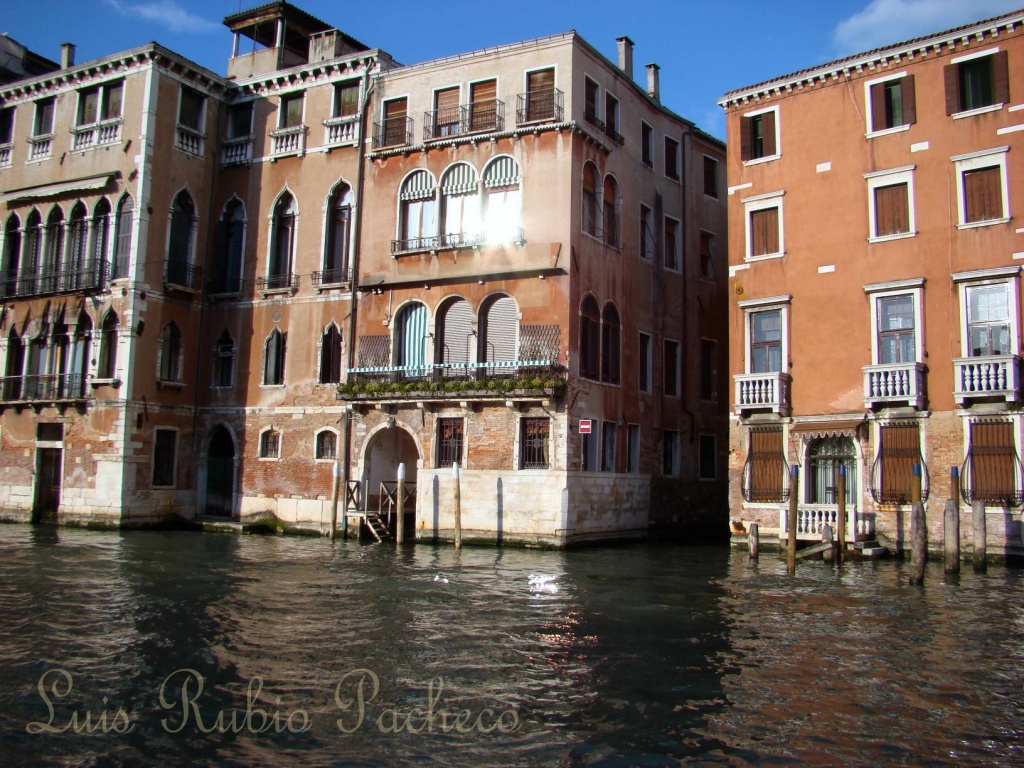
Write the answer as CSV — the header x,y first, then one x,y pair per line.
x,y
11,257
610,212
339,228
107,367
75,272
270,444
78,366
181,243
227,257
418,211
502,201
460,205
823,459
411,341
498,325
31,254
15,367
590,338
610,344
224,360
590,211
456,334
330,355
273,358
123,235
171,353
282,250
100,238
326,445
54,253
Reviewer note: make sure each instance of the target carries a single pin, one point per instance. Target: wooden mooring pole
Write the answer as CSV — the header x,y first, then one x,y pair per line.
x,y
400,503
841,513
980,535
753,540
458,506
918,530
951,523
794,476
334,499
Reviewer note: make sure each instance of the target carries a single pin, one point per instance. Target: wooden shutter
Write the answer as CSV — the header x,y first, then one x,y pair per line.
x,y
767,467
983,194
764,232
993,459
483,110
746,138
540,80
1001,77
909,96
951,74
484,91
878,121
768,122
892,210
446,99
900,449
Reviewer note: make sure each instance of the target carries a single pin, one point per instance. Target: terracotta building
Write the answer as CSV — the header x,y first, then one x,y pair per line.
x,y
874,274
221,292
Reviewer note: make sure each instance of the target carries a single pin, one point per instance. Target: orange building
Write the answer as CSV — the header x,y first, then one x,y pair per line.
x,y
221,291
874,269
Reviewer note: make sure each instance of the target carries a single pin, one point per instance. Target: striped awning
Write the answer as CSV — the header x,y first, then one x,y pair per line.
x,y
57,188
502,172
837,428
459,180
418,186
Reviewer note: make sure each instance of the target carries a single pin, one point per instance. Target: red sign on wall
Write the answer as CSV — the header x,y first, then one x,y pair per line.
x,y
585,426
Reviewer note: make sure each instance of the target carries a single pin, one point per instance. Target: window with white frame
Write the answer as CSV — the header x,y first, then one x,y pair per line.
x,y
460,205
646,233
326,445
644,363
273,358
451,436
891,204
890,104
646,144
43,125
760,135
764,232
766,334
99,103
976,82
981,189
609,442
896,321
224,360
610,207
591,93
534,443
270,444
418,214
633,448
672,158
989,311
171,355
672,243
165,450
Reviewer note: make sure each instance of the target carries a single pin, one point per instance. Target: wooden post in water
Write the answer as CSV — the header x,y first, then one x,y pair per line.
x,y
918,530
841,512
794,476
826,538
400,503
951,524
458,506
753,540
915,484
980,535
334,499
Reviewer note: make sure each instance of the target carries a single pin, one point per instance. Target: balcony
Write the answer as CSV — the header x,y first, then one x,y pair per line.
x,y
224,286
341,130
236,151
895,384
762,392
812,519
456,381
288,141
478,117
96,134
54,388
392,132
6,155
330,278
995,377
456,240
287,283
91,279
40,147
594,120
543,106
182,276
189,140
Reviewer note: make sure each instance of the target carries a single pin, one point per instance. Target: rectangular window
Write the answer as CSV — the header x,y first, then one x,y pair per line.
x,y
611,116
644,363
7,125
710,177
165,449
764,232
708,370
447,112
395,130
707,255
449,441
893,475
983,199
290,111
534,442
765,472
672,158
976,82
896,342
646,233
191,109
670,453
988,320
609,441
708,457
43,125
240,121
647,144
672,258
766,341
671,368
346,99
892,210
540,91
484,106
759,135
588,457
101,102
891,103
633,449
991,473
590,91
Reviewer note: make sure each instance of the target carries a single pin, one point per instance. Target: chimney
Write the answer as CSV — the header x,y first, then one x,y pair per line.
x,y
67,55
653,82
625,55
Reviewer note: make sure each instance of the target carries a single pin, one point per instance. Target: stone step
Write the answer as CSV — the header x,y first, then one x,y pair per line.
x,y
871,544
874,552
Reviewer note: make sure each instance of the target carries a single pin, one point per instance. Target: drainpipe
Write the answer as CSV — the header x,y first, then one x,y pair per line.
x,y
346,438
690,220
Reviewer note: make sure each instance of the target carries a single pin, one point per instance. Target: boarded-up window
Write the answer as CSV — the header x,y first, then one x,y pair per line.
x,y
983,194
892,210
899,450
991,472
764,232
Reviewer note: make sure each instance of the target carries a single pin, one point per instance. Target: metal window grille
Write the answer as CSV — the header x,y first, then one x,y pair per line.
x,y
270,444
765,473
449,441
534,443
992,471
326,445
892,475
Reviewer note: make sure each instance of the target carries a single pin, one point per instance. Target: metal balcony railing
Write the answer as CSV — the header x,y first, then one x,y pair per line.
x,y
894,384
442,123
457,240
994,376
480,116
287,282
543,106
94,277
332,277
392,132
49,388
181,274
594,120
438,372
762,392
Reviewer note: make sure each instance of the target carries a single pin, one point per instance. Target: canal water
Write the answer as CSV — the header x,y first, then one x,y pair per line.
x,y
159,648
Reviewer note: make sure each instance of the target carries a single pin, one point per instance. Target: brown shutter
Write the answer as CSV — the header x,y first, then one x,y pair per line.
x,y
446,99
878,121
992,460
745,138
900,449
484,91
764,235
767,466
909,100
539,81
983,195
892,210
1001,77
395,108
951,73
769,119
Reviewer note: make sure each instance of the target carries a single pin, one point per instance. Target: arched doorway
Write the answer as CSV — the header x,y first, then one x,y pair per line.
x,y
384,452
220,477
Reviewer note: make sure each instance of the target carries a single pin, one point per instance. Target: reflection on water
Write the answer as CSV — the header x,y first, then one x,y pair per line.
x,y
181,648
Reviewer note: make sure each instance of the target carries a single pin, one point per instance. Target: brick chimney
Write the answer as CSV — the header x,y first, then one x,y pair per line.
x,y
67,55
625,55
653,82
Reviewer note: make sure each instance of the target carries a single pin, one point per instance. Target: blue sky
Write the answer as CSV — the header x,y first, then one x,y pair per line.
x,y
704,48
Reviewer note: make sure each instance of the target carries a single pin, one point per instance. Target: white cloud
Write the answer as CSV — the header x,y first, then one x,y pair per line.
x,y
885,22
167,14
